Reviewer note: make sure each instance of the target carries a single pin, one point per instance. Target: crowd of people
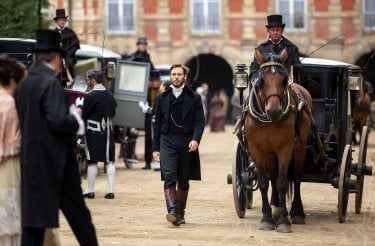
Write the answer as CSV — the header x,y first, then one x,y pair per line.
x,y
39,129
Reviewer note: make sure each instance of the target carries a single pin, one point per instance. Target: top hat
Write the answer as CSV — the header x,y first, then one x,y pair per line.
x,y
142,40
60,13
154,75
275,20
48,40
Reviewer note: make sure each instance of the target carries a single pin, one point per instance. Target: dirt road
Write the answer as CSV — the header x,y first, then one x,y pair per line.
x,y
137,215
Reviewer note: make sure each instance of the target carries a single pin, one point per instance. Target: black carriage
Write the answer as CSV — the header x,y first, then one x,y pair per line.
x,y
332,86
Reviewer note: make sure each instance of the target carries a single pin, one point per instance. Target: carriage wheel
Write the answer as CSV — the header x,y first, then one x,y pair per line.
x,y
239,166
344,183
361,162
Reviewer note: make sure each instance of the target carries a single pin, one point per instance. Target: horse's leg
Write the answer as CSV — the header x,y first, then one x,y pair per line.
x,y
283,224
296,212
274,201
263,184
274,195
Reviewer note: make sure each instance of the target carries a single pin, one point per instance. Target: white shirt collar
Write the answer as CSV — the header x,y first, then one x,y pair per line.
x,y
177,91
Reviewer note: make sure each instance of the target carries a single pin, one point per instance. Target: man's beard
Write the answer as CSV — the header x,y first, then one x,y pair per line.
x,y
179,84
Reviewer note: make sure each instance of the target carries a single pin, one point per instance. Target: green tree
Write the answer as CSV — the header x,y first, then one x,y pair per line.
x,y
20,18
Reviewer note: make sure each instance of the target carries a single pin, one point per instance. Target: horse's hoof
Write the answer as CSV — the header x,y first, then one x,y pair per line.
x,y
267,226
298,220
284,228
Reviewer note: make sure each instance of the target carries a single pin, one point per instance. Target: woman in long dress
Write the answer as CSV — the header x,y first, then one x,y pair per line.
x,y
11,72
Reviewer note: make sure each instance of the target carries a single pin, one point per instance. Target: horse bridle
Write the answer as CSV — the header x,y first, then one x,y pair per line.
x,y
257,113
272,65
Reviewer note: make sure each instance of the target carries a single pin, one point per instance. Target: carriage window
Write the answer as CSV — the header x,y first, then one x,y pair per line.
x,y
369,13
294,14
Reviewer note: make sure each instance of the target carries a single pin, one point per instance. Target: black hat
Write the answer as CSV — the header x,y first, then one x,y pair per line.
x,y
154,75
48,40
95,74
275,20
142,40
60,13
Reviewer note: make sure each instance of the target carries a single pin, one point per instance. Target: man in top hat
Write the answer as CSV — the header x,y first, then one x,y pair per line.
x,y
275,44
50,179
141,55
69,42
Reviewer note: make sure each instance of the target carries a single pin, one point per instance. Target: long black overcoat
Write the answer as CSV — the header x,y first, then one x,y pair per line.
x,y
47,129
192,123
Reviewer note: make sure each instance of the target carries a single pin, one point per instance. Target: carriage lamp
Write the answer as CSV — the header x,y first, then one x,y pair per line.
x,y
355,82
111,70
240,79
355,78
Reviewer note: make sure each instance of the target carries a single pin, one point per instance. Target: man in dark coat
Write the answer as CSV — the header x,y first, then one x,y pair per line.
x,y
178,129
49,170
141,54
99,108
70,43
275,44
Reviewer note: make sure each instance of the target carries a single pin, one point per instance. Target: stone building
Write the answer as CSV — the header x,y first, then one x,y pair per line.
x,y
212,36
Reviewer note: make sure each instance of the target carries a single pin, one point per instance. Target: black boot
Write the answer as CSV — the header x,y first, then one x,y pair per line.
x,y
147,166
170,199
181,204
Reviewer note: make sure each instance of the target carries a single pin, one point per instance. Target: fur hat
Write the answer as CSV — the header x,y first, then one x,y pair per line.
x,y
48,40
60,13
275,20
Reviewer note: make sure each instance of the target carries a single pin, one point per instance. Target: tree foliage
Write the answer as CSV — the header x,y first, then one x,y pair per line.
x,y
20,18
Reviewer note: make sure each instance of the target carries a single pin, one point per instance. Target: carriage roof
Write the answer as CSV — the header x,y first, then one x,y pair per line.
x,y
307,61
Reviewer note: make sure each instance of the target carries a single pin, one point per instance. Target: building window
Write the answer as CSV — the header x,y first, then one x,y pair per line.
x,y
205,16
294,13
369,11
121,17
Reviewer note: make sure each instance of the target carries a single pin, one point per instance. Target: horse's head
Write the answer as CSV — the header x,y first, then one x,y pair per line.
x,y
273,79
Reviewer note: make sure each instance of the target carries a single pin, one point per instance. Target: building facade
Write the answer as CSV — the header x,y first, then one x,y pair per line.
x,y
212,36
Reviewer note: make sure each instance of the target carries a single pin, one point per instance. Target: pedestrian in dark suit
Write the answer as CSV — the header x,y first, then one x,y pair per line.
x,y
50,178
69,42
178,129
275,44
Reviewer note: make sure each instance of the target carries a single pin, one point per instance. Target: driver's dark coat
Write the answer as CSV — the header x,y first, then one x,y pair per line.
x,y
266,48
47,129
192,122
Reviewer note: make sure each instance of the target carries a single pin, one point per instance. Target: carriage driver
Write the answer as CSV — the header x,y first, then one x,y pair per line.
x,y
275,44
97,111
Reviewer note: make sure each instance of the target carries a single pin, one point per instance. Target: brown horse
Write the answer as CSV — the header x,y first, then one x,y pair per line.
x,y
277,128
362,110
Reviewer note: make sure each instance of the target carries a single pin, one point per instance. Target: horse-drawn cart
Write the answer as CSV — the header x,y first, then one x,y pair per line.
x,y
332,86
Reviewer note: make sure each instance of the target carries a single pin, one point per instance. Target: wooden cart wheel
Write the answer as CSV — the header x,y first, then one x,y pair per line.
x,y
239,190
344,183
361,162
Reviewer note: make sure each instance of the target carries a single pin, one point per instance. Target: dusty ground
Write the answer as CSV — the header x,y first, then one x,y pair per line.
x,y
137,215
